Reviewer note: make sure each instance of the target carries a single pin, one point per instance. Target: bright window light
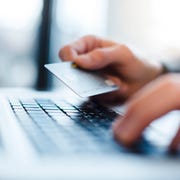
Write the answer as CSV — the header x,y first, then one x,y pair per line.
x,y
166,25
82,16
18,14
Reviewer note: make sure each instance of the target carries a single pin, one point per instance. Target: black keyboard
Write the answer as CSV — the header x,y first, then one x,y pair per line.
x,y
63,127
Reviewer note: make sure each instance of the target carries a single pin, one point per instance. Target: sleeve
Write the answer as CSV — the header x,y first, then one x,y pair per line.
x,y
171,66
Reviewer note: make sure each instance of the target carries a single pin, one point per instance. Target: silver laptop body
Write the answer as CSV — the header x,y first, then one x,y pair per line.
x,y
63,149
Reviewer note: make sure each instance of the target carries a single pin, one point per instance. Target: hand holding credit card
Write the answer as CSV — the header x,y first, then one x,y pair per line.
x,y
84,83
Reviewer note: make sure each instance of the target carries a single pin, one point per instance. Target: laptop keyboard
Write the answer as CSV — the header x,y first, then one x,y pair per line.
x,y
62,127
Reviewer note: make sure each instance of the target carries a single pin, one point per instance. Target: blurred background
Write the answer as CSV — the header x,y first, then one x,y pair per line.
x,y
32,32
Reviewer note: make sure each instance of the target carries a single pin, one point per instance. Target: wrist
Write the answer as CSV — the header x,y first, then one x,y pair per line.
x,y
157,68
165,68
170,67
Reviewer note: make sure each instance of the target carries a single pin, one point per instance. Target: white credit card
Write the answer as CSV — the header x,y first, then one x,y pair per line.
x,y
84,83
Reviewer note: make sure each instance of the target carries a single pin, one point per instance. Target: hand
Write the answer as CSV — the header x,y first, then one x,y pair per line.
x,y
151,102
125,68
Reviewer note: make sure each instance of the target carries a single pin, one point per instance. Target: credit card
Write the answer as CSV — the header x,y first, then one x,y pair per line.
x,y
83,82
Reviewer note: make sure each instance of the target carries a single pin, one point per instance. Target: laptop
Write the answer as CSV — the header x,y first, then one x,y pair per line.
x,y
57,135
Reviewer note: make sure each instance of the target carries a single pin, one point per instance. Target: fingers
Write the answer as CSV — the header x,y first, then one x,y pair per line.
x,y
82,46
115,97
96,59
102,57
92,53
153,101
174,146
